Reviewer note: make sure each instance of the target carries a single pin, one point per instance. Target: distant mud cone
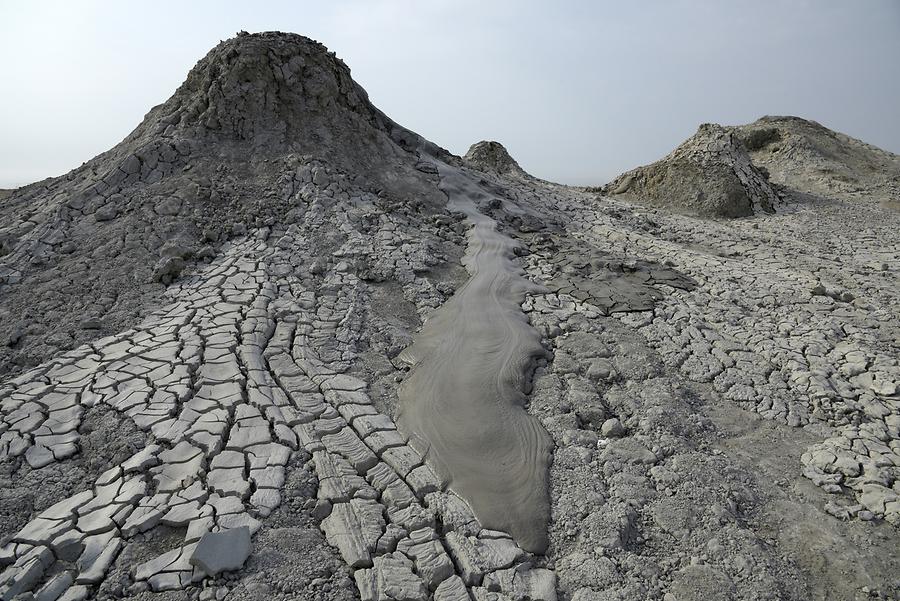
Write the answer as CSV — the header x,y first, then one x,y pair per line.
x,y
710,175
807,157
493,157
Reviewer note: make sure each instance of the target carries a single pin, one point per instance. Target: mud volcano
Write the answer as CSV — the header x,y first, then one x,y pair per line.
x,y
464,398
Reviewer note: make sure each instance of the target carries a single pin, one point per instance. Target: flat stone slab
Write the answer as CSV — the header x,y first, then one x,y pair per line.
x,y
222,551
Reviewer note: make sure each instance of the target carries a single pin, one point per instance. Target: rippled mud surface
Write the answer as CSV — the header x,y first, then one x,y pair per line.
x,y
464,399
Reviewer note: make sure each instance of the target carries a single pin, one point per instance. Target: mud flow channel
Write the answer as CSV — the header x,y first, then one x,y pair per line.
x,y
464,397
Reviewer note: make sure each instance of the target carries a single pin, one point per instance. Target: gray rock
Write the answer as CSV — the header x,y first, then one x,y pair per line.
x,y
701,582
167,269
224,551
612,428
168,206
107,212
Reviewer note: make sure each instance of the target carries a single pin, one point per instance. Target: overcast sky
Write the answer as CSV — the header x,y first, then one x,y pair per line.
x,y
577,91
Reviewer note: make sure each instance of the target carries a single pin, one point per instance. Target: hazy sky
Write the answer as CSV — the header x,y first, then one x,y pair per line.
x,y
577,91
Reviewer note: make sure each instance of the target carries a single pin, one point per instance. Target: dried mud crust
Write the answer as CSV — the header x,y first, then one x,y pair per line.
x,y
243,377
691,436
685,452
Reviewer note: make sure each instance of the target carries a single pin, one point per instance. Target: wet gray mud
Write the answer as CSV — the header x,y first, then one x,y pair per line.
x,y
464,398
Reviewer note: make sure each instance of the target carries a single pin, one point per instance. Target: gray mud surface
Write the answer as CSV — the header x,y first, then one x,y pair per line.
x,y
466,393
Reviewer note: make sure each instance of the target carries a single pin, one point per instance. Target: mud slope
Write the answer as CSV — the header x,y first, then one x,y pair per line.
x,y
708,175
492,157
808,157
88,253
464,397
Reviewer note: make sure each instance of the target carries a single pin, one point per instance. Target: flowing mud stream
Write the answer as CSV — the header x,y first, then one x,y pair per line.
x,y
464,398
